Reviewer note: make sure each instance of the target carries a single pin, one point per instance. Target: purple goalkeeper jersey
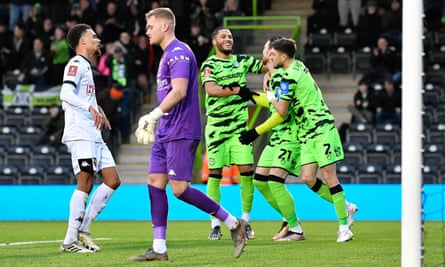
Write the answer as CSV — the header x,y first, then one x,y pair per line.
x,y
183,120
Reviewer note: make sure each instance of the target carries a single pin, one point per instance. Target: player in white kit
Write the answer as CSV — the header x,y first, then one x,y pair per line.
x,y
84,120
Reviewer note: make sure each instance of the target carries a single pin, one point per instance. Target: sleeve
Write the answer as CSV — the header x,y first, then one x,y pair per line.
x,y
271,122
71,79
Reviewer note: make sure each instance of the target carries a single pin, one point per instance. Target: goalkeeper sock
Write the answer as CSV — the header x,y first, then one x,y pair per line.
x,y
77,212
247,188
284,199
260,182
338,197
321,189
98,202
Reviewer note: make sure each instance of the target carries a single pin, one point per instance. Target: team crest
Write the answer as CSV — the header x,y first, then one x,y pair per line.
x,y
207,72
236,64
72,71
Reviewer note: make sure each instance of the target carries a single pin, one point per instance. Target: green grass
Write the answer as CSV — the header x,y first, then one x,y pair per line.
x,y
375,244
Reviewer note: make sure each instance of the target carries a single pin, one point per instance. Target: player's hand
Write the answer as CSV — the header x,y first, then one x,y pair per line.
x,y
151,117
270,96
146,136
247,137
246,94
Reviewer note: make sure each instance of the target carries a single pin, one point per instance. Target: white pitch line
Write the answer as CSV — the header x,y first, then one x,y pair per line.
x,y
41,242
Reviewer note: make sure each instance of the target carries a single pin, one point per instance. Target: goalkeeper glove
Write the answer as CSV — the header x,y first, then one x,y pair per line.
x,y
247,137
145,133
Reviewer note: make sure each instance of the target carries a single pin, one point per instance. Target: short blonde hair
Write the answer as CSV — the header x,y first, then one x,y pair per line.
x,y
162,12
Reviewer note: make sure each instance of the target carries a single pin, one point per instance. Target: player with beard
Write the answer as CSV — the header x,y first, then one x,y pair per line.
x,y
224,80
84,120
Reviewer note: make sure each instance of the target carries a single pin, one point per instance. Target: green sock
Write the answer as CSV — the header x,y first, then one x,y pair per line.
x,y
321,189
284,200
263,187
246,182
213,187
338,197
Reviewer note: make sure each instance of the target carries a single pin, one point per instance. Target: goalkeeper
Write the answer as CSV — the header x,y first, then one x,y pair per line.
x,y
224,80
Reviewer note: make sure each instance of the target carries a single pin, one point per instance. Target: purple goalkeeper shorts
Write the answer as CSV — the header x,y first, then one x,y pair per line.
x,y
176,158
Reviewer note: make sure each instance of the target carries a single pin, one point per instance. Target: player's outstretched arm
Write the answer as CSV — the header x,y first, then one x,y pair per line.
x,y
247,137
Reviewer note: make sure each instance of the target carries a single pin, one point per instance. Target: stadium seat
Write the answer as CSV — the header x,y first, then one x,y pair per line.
x,y
436,133
387,133
339,61
377,153
359,133
369,173
315,62
17,115
63,156
353,153
396,153
39,115
346,38
28,135
362,60
8,174
44,155
393,174
8,135
58,174
430,174
322,39
18,155
31,174
346,173
433,154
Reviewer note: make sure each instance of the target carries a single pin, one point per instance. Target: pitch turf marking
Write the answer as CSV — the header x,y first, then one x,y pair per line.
x,y
41,242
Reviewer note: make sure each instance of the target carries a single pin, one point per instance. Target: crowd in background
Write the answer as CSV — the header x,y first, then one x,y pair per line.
x,y
34,50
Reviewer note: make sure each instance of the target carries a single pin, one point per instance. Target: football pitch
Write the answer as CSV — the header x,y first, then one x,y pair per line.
x,y
36,243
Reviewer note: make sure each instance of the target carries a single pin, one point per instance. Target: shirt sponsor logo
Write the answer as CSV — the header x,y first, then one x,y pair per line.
x,y
72,71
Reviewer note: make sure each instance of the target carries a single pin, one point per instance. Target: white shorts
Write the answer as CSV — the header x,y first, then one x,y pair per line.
x,y
99,152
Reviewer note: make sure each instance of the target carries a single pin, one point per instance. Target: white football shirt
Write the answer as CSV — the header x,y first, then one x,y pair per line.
x,y
78,93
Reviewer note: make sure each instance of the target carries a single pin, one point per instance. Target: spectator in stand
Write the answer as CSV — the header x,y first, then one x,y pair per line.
x,y
363,109
109,99
392,24
60,53
112,23
231,8
383,62
369,25
53,127
134,21
86,13
346,8
203,15
325,16
56,10
199,42
118,64
19,12
21,44
46,33
5,48
36,65
389,103
143,59
102,68
34,21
